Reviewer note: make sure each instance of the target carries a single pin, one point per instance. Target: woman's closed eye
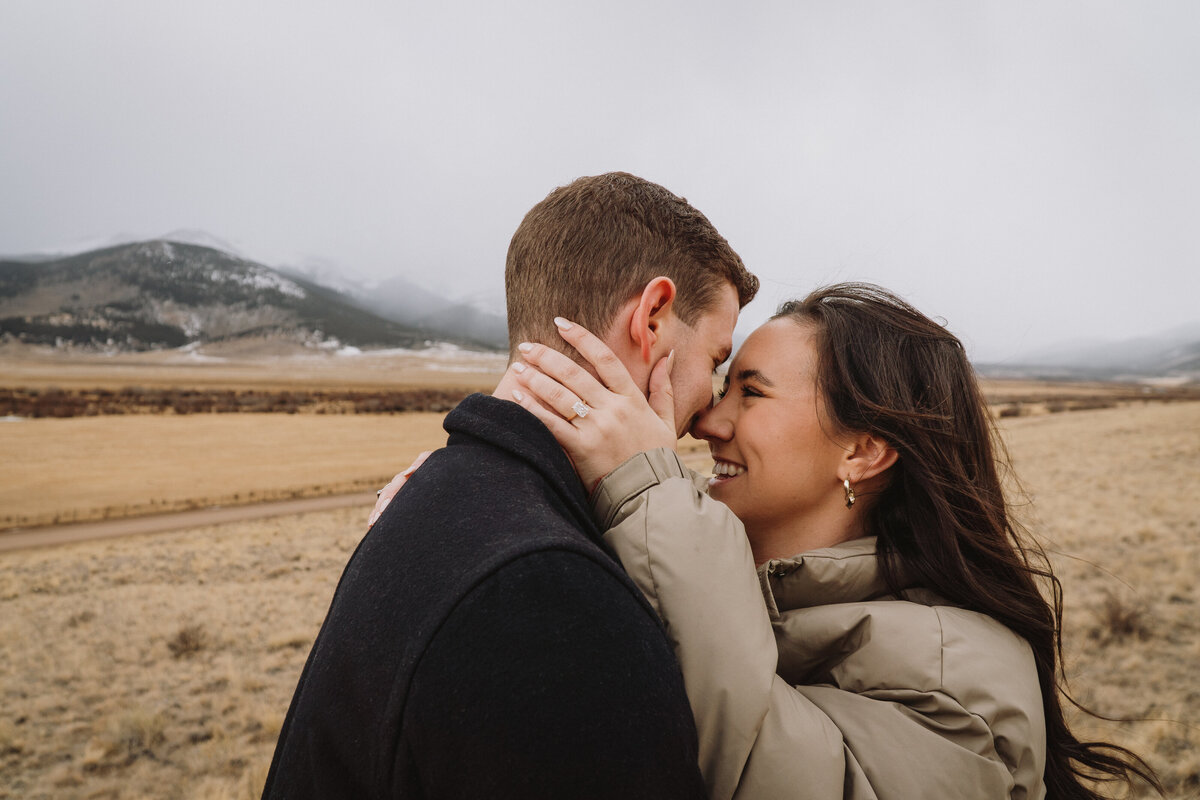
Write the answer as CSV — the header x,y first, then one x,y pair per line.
x,y
745,389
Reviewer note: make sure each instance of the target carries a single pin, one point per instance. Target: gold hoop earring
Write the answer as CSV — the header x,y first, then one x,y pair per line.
x,y
849,492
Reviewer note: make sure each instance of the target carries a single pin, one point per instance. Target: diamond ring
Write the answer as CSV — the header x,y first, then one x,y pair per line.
x,y
581,409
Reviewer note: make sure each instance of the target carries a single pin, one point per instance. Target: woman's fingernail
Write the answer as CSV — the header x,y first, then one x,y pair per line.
x,y
562,324
518,396
518,366
524,347
670,361
374,516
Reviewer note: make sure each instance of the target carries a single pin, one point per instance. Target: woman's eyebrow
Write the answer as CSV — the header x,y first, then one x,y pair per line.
x,y
756,376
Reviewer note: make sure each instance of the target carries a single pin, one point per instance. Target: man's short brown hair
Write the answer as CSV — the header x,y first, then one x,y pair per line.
x,y
595,243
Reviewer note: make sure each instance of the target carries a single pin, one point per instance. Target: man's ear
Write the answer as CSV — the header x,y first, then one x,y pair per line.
x,y
652,310
868,456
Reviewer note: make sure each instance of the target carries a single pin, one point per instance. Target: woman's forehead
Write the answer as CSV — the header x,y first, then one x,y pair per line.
x,y
777,351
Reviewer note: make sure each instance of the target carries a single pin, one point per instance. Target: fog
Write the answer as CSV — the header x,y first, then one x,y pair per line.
x,y
1027,171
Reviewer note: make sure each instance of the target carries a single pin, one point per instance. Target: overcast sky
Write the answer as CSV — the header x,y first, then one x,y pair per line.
x,y
1029,171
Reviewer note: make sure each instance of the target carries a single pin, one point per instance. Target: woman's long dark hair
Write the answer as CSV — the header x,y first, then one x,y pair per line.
x,y
942,521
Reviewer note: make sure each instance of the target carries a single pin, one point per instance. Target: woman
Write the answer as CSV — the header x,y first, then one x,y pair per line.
x,y
904,648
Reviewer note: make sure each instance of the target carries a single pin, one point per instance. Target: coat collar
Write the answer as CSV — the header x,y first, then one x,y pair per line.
x,y
816,602
845,573
507,426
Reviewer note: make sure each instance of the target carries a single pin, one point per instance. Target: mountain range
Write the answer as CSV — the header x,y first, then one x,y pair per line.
x,y
1172,355
190,287
163,293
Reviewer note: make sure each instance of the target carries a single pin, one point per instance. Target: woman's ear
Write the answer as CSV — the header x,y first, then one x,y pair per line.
x,y
868,456
653,308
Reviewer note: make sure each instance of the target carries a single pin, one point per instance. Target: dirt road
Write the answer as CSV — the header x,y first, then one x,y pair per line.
x,y
18,539
694,455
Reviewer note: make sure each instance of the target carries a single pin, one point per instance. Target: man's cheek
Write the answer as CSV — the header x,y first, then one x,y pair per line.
x,y
691,401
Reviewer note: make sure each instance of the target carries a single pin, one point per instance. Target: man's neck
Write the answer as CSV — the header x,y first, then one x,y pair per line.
x,y
504,389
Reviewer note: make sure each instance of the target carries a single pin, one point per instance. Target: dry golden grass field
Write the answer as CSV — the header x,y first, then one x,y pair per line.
x,y
248,364
103,467
83,468
162,665
1114,496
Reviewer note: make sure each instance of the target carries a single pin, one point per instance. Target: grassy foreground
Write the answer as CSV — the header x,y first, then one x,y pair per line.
x,y
163,665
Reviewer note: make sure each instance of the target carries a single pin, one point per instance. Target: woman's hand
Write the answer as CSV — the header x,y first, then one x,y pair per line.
x,y
386,494
600,425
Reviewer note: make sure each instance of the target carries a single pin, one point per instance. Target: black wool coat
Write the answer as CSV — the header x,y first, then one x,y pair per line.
x,y
483,643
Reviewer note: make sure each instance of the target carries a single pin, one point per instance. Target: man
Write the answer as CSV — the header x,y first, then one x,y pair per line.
x,y
482,642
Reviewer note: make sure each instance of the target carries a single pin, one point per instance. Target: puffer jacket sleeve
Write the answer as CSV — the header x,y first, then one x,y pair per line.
x,y
759,736
688,553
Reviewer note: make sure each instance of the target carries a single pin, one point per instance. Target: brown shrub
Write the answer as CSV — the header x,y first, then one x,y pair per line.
x,y
1118,619
190,640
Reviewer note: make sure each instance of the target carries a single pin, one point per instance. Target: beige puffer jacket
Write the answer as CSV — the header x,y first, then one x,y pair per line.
x,y
832,688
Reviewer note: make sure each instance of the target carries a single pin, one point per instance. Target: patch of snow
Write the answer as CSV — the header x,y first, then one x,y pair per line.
x,y
12,418
316,340
258,278
1167,382
192,325
437,350
449,350
384,352
201,358
442,367
349,350
190,353
446,357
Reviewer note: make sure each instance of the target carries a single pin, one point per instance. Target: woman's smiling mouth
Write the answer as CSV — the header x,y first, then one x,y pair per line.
x,y
723,470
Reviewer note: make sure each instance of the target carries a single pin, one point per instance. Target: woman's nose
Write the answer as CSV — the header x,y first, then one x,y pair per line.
x,y
712,424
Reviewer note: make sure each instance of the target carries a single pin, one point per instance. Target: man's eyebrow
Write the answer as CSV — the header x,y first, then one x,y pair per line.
x,y
756,376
